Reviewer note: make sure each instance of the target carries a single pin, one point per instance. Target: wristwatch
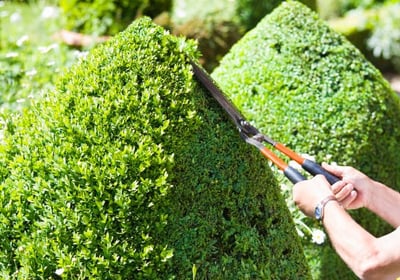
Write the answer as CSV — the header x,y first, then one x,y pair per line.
x,y
319,209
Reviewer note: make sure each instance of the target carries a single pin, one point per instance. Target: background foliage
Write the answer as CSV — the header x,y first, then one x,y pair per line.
x,y
217,25
108,17
310,88
373,26
30,59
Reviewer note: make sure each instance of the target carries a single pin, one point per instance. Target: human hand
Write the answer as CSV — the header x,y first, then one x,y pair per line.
x,y
307,194
346,194
354,189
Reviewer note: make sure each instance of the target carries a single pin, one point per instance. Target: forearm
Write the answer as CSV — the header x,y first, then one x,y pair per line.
x,y
385,203
349,239
369,257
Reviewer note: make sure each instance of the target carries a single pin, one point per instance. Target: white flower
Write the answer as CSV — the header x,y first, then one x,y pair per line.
x,y
15,17
318,236
59,271
81,54
46,49
22,40
31,73
11,54
49,12
328,157
285,187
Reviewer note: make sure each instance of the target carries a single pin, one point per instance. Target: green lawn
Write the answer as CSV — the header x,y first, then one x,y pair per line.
x,y
30,58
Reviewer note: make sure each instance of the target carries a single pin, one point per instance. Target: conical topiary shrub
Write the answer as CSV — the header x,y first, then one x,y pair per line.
x,y
130,170
308,87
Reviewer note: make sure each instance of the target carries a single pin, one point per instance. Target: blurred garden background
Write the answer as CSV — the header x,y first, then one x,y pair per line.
x,y
40,39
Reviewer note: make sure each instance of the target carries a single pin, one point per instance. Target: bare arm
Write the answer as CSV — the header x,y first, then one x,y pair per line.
x,y
373,195
385,202
369,257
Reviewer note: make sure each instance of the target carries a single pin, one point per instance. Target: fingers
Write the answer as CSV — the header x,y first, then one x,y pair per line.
x,y
342,190
334,169
348,201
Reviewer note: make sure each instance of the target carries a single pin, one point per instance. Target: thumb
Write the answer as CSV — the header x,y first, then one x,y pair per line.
x,y
334,169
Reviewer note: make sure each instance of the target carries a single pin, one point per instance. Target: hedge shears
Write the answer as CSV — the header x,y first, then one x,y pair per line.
x,y
254,137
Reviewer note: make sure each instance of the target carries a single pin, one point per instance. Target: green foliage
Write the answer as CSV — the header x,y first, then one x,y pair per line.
x,y
217,25
245,13
347,5
329,9
26,72
309,88
384,40
129,169
29,57
108,17
372,26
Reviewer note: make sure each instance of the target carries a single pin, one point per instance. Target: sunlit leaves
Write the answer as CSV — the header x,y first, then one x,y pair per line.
x,y
309,88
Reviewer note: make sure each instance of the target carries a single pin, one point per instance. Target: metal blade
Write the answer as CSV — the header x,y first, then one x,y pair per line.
x,y
218,95
245,128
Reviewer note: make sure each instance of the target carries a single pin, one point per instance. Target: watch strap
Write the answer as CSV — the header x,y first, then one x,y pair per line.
x,y
319,209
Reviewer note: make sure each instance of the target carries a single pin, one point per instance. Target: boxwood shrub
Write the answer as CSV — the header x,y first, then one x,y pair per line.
x,y
217,25
130,170
308,87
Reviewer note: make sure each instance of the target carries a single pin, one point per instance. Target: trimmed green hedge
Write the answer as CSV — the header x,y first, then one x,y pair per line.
x,y
308,87
131,170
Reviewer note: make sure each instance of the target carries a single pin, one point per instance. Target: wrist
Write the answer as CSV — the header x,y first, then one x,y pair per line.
x,y
331,207
320,207
371,188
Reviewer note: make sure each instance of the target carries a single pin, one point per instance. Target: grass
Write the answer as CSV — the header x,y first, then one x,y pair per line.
x,y
30,57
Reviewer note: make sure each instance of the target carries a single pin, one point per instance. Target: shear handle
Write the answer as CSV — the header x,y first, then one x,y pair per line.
x,y
310,166
292,174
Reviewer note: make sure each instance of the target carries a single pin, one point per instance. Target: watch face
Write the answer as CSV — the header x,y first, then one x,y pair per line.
x,y
318,212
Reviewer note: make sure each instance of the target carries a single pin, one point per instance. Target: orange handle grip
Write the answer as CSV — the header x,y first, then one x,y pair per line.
x,y
291,154
267,153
